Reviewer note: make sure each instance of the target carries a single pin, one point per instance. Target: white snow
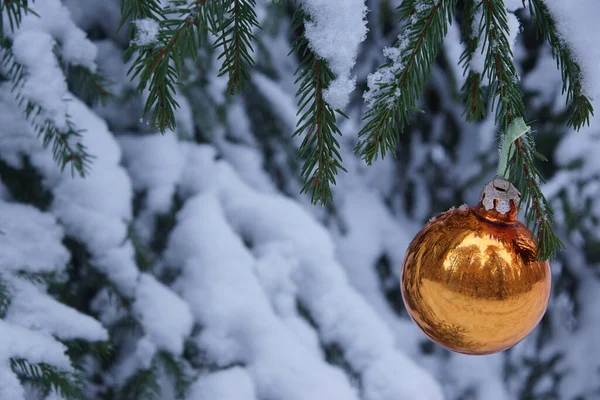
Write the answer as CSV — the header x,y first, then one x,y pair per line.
x,y
166,319
118,263
55,19
579,29
334,31
230,384
32,308
295,259
146,31
477,63
386,75
31,240
154,163
10,385
35,347
239,324
44,82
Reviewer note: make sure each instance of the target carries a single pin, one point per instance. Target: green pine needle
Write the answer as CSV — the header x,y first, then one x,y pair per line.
x,y
48,378
392,101
4,297
473,97
179,370
67,148
507,100
319,149
236,39
538,213
143,385
505,92
579,105
472,89
91,87
158,65
14,11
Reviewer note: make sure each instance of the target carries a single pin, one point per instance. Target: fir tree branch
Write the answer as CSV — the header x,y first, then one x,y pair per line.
x,y
507,99
4,296
38,278
67,147
473,97
14,10
90,86
180,371
506,94
236,38
472,90
143,385
132,10
47,377
538,213
396,86
580,106
77,349
158,64
317,121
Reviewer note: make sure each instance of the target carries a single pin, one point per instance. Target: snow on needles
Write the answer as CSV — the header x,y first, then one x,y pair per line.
x,y
52,17
244,297
578,26
146,31
334,30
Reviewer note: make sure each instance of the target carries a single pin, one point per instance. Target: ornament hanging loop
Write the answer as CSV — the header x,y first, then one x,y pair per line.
x,y
516,129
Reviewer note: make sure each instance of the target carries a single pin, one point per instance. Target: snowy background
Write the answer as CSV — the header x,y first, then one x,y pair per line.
x,y
193,254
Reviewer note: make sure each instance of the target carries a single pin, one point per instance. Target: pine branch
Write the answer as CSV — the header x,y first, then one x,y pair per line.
x,y
4,296
47,377
14,9
506,94
180,371
236,39
143,385
132,10
77,349
473,97
158,64
66,143
395,87
579,105
472,90
90,86
507,100
38,278
317,122
538,213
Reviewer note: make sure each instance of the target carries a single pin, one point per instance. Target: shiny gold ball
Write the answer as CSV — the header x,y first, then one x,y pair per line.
x,y
470,279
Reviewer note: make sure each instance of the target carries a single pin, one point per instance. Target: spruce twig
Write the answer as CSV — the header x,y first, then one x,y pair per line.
x,y
4,296
472,89
159,64
47,377
317,122
143,385
579,105
507,100
396,86
67,147
236,39
14,10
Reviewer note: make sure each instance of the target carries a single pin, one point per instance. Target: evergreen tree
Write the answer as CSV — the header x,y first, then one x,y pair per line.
x,y
157,240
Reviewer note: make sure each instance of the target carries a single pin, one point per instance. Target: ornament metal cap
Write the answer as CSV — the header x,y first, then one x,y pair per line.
x,y
500,199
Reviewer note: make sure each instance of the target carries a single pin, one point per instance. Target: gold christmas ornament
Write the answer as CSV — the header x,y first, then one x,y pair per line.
x,y
470,279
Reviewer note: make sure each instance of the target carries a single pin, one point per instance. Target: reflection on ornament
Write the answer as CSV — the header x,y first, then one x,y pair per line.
x,y
470,278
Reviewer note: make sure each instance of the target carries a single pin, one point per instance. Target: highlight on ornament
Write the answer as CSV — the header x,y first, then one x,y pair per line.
x,y
471,280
